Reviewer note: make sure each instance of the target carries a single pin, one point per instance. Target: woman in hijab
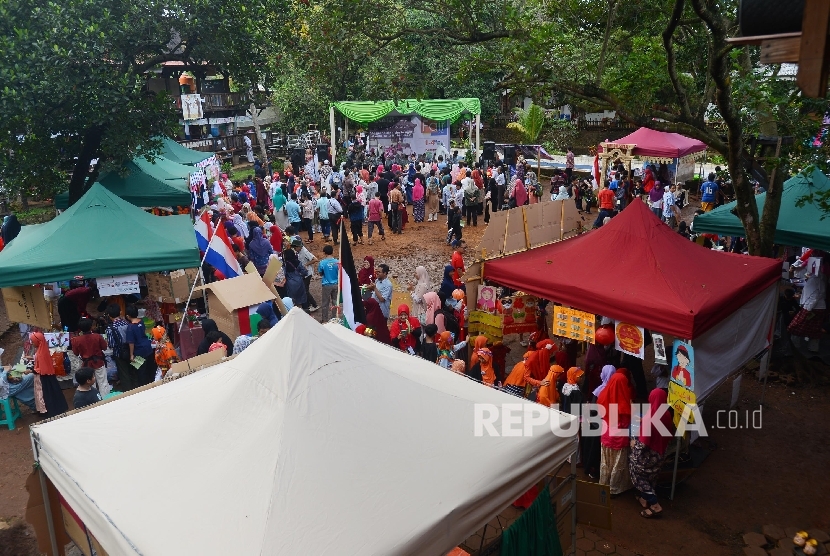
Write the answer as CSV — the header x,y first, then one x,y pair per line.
x,y
295,274
571,395
433,303
280,215
615,398
366,275
479,343
591,445
417,291
405,330
549,394
261,193
259,250
483,369
267,312
208,326
418,201
447,283
562,195
240,225
649,450
49,399
10,230
376,321
519,193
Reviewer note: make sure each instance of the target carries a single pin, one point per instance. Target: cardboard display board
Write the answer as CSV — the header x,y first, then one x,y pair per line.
x,y
226,298
27,304
197,362
173,287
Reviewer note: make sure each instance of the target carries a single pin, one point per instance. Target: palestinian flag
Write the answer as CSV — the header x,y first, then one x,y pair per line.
x,y
350,298
248,320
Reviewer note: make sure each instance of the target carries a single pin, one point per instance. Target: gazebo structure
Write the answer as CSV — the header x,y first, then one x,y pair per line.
x,y
436,110
652,146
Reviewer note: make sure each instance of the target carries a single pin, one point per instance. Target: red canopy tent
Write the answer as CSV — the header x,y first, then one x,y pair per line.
x,y
660,144
636,269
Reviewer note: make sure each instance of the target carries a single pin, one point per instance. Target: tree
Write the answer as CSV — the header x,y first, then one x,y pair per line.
x,y
663,64
530,122
74,76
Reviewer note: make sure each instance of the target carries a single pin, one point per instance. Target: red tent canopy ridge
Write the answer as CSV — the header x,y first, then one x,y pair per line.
x,y
638,270
659,144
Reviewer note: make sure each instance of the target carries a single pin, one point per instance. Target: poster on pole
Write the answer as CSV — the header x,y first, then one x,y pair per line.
x,y
629,339
678,399
573,324
659,343
682,364
118,285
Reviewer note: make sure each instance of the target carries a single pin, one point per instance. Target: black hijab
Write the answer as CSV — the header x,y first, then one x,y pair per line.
x,y
10,230
208,326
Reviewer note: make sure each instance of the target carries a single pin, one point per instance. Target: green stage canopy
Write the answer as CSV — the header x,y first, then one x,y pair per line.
x,y
797,226
162,183
438,110
177,153
100,235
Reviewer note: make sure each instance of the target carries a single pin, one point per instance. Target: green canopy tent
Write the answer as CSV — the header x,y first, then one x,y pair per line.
x,y
797,226
100,235
434,109
162,183
177,153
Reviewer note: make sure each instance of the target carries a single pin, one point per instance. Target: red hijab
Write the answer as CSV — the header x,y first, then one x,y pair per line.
x,y
43,359
650,435
520,193
616,392
365,275
376,321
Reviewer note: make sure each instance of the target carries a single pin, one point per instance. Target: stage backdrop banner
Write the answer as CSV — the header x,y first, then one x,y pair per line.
x,y
427,136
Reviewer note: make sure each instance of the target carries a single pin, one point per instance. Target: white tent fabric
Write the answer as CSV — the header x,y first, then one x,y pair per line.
x,y
314,440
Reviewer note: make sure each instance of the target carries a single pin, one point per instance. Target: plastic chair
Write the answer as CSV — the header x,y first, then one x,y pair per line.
x,y
9,414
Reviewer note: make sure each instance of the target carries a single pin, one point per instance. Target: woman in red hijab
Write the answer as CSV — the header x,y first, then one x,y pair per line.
x,y
49,400
615,399
405,330
376,321
366,274
519,193
649,450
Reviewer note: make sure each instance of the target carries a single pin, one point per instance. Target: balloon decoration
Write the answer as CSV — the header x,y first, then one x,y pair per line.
x,y
604,335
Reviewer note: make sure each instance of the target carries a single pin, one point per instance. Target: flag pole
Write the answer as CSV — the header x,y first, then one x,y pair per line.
x,y
193,287
341,233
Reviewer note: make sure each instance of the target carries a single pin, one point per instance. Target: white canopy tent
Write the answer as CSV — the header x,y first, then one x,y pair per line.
x,y
314,440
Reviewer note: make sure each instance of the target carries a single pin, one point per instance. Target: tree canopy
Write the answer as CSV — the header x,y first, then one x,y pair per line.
x,y
74,74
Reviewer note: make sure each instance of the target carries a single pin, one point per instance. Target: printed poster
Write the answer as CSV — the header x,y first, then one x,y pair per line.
x,y
57,339
629,339
192,107
659,344
519,314
118,285
573,324
487,300
682,365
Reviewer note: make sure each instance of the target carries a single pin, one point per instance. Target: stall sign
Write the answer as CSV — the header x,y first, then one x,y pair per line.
x,y
118,285
519,314
679,398
486,324
573,324
27,304
629,339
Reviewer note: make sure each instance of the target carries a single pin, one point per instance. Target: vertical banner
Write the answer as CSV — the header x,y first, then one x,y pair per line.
x,y
629,339
682,364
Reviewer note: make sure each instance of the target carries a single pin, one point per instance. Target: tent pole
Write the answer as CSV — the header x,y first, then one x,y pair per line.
x,y
342,227
470,138
573,501
193,287
764,366
674,473
539,163
478,134
48,508
333,133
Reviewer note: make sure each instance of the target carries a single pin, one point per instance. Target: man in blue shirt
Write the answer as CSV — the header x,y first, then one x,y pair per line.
x,y
293,209
382,289
708,193
615,183
329,269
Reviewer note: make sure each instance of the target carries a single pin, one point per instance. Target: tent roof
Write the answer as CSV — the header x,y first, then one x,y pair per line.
x,y
162,183
366,111
100,235
314,440
797,226
639,271
660,144
175,152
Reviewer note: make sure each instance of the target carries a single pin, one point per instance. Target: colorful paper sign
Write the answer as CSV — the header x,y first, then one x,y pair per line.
x,y
487,300
485,324
629,339
660,355
679,398
573,324
57,339
519,314
118,285
682,364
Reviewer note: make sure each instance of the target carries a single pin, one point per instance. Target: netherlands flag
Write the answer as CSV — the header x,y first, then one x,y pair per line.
x,y
217,247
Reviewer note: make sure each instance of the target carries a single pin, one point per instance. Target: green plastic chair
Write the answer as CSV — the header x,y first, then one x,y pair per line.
x,y
10,413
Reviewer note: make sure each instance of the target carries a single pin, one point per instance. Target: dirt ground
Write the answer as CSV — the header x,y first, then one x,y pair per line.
x,y
775,474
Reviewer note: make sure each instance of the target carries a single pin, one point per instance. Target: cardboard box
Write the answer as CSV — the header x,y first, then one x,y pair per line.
x,y
173,287
593,504
226,299
27,304
197,362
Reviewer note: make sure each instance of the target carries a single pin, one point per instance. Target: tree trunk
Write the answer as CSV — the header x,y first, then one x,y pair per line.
x,y
24,201
90,147
255,120
612,7
772,205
